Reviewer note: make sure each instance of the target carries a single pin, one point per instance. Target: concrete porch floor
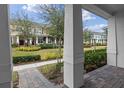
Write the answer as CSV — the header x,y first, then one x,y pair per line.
x,y
105,77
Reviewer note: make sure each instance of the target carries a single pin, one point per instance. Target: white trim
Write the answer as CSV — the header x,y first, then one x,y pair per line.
x,y
96,10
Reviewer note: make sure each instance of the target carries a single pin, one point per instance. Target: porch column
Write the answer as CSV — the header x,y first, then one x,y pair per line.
x,y
5,49
36,40
30,41
111,43
55,41
17,40
73,46
47,40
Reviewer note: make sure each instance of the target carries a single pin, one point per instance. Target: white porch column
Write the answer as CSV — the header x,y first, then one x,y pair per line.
x,y
17,40
73,46
36,40
55,41
119,38
47,40
111,43
5,55
30,41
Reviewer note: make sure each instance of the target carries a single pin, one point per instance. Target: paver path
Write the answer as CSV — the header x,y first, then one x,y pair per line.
x,y
32,78
22,67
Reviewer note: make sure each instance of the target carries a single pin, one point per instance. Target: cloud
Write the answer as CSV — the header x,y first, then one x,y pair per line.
x,y
31,8
87,15
96,28
36,9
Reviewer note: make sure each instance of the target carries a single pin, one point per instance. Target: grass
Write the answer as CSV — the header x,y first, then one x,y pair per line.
x,y
97,47
15,79
42,52
47,68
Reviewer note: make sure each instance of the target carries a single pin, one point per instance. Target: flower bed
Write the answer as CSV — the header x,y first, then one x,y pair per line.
x,y
52,72
15,79
30,48
50,55
94,59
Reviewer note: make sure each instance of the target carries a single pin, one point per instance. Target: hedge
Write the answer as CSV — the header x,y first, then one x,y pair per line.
x,y
86,45
14,45
47,46
30,48
23,59
93,58
32,58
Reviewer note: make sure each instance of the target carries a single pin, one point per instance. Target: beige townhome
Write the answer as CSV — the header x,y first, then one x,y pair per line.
x,y
37,30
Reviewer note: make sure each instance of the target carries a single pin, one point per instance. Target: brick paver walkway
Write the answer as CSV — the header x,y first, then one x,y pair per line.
x,y
32,78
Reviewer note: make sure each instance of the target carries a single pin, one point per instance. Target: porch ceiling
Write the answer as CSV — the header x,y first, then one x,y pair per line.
x,y
111,8
103,10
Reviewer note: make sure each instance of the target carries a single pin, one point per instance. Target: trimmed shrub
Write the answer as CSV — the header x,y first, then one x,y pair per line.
x,y
87,45
23,59
47,46
50,55
95,59
30,48
14,45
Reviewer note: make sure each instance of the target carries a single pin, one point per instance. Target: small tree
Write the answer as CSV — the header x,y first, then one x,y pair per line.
x,y
87,35
53,15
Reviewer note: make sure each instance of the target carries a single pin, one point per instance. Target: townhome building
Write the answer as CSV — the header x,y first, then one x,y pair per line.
x,y
98,38
40,35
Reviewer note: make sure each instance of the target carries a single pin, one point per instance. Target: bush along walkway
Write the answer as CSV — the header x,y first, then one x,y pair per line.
x,y
32,78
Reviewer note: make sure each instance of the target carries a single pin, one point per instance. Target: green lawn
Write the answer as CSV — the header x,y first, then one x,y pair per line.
x,y
42,52
97,47
23,53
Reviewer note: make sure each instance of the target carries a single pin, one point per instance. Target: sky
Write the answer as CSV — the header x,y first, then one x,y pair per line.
x,y
90,20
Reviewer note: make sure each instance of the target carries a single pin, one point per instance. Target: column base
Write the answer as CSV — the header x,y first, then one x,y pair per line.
x,y
65,86
73,75
6,85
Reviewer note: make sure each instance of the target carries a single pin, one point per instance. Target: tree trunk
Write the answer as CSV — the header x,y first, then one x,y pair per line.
x,y
59,51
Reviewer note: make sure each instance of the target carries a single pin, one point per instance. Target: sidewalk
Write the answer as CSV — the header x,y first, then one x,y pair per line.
x,y
32,78
22,67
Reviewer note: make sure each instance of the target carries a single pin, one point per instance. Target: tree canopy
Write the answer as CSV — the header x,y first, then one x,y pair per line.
x,y
53,16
